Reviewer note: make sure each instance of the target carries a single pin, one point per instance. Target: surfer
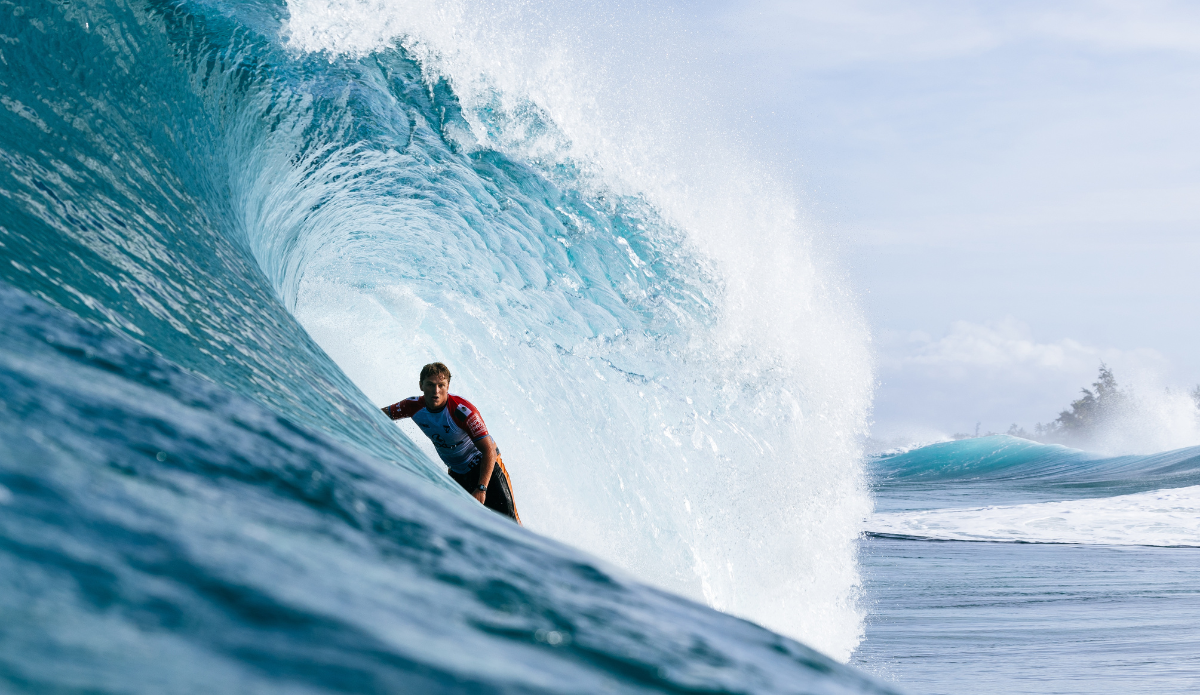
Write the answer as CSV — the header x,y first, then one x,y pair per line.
x,y
462,441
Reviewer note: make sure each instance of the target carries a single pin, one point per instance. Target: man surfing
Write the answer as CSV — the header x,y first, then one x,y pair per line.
x,y
462,441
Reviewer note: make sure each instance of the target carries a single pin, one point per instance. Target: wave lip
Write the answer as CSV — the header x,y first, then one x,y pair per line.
x,y
1168,518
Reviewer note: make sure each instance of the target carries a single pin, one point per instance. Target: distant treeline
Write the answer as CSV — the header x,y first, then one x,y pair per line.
x,y
1098,405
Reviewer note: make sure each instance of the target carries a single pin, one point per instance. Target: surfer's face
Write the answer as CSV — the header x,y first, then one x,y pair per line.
x,y
437,391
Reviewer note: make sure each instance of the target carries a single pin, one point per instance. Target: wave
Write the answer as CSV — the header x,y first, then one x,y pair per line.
x,y
1003,468
1161,518
160,532
187,469
626,345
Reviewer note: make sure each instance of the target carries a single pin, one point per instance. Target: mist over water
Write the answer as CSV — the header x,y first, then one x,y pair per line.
x,y
1151,417
1154,418
675,378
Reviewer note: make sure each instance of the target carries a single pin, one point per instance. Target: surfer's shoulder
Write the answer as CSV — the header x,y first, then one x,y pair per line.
x,y
467,416
405,408
459,401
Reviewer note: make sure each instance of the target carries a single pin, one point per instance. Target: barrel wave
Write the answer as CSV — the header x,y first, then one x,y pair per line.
x,y
223,247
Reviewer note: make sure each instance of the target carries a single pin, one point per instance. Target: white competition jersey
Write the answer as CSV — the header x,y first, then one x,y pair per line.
x,y
453,430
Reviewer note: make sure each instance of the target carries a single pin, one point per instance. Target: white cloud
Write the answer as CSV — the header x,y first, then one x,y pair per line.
x,y
1158,26
1005,344
830,35
835,35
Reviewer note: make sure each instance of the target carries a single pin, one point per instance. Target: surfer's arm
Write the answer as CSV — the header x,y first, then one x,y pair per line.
x,y
405,408
486,446
467,417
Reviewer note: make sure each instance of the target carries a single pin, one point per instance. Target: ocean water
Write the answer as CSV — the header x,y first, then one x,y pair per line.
x,y
999,565
230,231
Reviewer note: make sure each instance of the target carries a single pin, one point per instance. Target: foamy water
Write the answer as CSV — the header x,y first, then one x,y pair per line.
x,y
1164,517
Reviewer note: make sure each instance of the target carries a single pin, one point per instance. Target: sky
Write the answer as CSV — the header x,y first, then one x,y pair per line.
x,y
1014,187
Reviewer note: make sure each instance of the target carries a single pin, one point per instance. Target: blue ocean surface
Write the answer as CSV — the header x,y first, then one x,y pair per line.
x,y
1000,565
195,497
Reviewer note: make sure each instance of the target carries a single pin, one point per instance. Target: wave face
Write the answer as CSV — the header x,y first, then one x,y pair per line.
x,y
192,492
966,490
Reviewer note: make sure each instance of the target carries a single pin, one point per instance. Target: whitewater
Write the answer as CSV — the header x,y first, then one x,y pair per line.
x,y
229,232
1164,518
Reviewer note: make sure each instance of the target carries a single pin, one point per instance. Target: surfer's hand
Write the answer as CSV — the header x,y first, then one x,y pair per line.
x,y
480,495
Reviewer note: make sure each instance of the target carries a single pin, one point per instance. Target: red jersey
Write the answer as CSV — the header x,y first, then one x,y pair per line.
x,y
453,430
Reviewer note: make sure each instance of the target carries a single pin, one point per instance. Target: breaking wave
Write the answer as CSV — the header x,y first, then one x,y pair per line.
x,y
677,382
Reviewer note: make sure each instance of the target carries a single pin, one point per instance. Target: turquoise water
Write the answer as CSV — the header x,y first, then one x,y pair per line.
x,y
1007,470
